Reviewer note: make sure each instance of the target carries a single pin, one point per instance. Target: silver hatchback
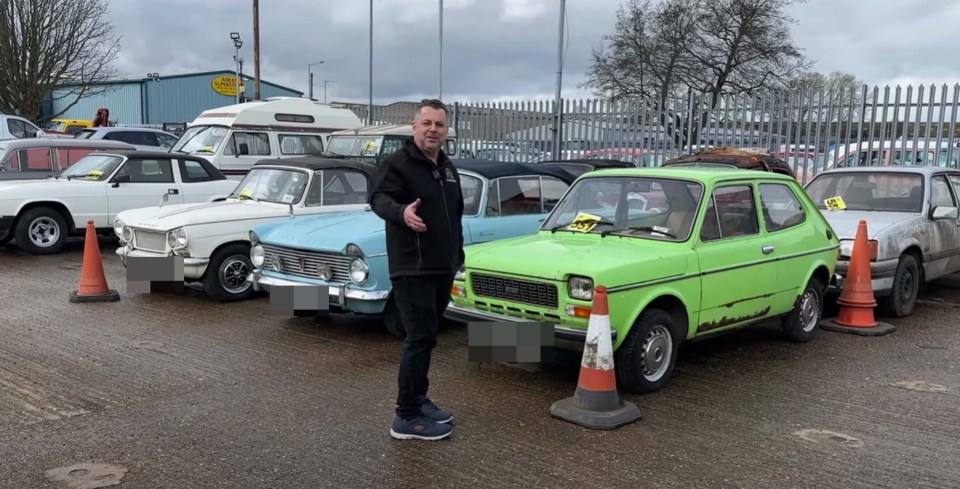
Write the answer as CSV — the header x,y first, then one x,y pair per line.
x,y
912,223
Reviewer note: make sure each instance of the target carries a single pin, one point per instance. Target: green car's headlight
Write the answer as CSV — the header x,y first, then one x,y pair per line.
x,y
580,288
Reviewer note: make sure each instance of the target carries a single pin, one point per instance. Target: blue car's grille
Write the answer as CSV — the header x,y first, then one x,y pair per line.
x,y
307,263
523,291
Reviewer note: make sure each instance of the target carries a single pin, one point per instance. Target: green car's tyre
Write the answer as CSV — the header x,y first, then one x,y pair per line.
x,y
803,322
646,359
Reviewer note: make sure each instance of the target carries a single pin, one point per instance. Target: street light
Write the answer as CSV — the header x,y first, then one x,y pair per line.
x,y
325,89
237,43
310,79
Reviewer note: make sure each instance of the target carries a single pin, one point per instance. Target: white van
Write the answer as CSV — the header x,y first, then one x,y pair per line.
x,y
235,137
374,143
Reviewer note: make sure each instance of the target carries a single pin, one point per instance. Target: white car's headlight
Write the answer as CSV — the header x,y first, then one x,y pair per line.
x,y
358,271
118,227
580,288
127,234
257,255
177,239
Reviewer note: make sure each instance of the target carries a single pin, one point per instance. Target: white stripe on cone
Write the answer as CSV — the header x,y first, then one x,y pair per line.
x,y
598,350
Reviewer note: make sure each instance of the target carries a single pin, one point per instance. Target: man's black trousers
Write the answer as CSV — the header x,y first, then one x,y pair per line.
x,y
421,301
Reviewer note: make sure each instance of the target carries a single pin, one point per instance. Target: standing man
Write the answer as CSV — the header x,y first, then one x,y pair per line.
x,y
417,193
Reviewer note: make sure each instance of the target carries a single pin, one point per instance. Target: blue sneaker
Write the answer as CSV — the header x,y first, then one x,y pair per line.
x,y
430,410
419,428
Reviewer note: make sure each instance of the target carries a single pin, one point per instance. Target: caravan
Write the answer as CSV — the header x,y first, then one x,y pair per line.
x,y
235,137
374,143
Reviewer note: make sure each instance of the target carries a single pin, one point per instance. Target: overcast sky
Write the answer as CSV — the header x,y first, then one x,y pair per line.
x,y
493,49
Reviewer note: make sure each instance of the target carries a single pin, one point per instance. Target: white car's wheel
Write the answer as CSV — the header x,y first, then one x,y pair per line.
x,y
226,275
41,231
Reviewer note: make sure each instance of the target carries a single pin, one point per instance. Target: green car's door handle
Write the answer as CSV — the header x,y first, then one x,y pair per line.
x,y
767,249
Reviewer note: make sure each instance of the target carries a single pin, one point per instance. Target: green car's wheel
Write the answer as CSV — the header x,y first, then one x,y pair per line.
x,y
646,359
803,322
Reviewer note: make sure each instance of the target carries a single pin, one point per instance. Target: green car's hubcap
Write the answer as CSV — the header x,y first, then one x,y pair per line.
x,y
657,348
809,308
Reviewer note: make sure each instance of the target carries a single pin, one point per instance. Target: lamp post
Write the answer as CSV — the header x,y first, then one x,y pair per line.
x,y
440,69
237,43
325,89
310,79
558,111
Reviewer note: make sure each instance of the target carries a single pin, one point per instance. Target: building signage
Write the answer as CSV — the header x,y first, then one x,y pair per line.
x,y
226,85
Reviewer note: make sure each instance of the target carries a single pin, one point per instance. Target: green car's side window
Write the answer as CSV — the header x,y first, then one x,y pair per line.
x,y
780,207
731,212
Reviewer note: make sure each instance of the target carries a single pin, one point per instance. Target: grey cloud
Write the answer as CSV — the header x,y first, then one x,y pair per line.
x,y
486,57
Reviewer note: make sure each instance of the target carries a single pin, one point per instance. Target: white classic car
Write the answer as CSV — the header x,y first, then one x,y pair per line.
x,y
913,225
40,215
214,239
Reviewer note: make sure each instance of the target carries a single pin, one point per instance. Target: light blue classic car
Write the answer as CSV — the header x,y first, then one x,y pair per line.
x,y
346,251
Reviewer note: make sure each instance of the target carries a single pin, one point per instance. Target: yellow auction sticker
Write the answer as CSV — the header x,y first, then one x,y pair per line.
x,y
95,174
584,223
245,193
835,203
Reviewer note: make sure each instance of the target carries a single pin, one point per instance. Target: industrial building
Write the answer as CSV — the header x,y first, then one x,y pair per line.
x,y
156,100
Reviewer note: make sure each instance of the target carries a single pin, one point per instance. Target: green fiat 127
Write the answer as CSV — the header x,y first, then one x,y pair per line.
x,y
683,253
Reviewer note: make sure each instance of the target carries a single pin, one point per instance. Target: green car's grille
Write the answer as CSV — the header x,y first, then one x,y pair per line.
x,y
523,291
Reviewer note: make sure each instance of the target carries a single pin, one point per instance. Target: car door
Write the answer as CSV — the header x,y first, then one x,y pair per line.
x,y
149,179
516,206
954,263
944,236
783,218
738,271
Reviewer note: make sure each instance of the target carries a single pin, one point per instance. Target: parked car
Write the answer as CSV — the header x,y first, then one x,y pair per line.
x,y
640,157
143,138
346,251
578,167
63,127
216,243
13,127
732,158
39,158
912,222
729,249
41,214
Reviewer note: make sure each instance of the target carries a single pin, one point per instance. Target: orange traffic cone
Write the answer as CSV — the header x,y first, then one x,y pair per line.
x,y
596,404
93,283
856,297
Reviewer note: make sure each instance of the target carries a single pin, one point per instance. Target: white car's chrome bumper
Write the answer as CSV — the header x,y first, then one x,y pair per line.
x,y
193,268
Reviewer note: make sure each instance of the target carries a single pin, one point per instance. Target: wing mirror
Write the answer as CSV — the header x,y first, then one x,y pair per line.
x,y
120,179
941,212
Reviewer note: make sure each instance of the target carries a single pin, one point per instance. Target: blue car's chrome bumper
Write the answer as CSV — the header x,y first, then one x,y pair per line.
x,y
342,297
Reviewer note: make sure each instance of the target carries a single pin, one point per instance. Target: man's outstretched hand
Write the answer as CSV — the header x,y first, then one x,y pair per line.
x,y
411,218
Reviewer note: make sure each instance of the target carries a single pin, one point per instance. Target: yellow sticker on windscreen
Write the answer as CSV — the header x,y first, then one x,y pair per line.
x,y
245,193
95,174
584,223
835,203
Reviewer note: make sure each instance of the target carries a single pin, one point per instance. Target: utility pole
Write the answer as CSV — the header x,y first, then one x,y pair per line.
x,y
440,96
256,49
237,44
370,75
557,116
310,79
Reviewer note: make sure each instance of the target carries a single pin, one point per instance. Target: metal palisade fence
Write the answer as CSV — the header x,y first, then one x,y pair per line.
x,y
812,130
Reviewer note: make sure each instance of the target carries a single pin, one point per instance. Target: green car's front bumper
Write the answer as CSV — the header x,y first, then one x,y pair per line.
x,y
565,334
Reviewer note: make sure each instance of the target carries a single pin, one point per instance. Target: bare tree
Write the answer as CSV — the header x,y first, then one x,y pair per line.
x,y
65,46
705,48
823,96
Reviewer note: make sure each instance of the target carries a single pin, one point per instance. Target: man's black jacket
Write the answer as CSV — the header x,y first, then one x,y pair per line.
x,y
405,176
